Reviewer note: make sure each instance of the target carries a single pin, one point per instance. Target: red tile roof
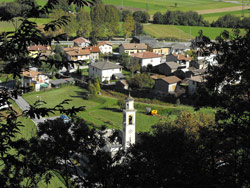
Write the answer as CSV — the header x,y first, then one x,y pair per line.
x,y
80,40
39,48
182,57
145,55
78,52
171,79
134,46
157,76
93,49
31,73
104,42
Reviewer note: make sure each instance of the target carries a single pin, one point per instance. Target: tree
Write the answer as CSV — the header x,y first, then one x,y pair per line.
x,y
124,14
121,104
84,21
141,16
226,21
134,66
142,80
97,14
124,60
138,29
158,18
96,83
227,87
112,20
128,26
19,166
167,157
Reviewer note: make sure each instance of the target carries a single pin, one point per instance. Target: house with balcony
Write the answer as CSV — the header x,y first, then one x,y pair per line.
x,y
146,58
77,54
94,53
105,70
33,78
105,47
81,42
39,49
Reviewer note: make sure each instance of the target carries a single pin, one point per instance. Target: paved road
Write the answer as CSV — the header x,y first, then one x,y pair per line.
x,y
25,106
70,43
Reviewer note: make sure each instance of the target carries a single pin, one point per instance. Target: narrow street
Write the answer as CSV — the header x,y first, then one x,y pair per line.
x,y
23,105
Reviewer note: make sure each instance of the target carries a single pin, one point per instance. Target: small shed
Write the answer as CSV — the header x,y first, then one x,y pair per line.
x,y
58,83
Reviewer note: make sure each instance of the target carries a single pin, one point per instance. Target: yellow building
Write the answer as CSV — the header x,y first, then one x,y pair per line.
x,y
159,48
132,48
36,49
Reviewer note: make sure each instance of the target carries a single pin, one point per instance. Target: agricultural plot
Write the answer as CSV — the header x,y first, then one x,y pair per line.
x,y
166,32
214,16
164,5
181,32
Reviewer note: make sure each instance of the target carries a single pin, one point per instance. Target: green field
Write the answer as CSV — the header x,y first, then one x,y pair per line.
x,y
10,26
166,31
164,5
214,16
181,32
102,110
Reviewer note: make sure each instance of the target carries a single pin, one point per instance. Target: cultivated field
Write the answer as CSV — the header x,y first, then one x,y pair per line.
x,y
164,5
181,32
214,16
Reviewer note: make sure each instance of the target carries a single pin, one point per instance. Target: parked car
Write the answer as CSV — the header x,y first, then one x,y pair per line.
x,y
65,118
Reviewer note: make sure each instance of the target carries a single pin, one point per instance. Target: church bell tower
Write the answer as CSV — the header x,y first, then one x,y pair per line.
x,y
128,123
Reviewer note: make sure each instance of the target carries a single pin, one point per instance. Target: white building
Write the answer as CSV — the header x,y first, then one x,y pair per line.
x,y
81,42
105,70
125,138
33,78
128,137
77,54
147,58
105,47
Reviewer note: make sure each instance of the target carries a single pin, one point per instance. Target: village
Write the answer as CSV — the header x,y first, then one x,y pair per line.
x,y
173,68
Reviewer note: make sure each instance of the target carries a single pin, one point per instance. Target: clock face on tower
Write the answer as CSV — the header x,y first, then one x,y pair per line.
x,y
130,131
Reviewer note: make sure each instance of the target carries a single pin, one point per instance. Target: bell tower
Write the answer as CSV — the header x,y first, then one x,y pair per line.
x,y
128,123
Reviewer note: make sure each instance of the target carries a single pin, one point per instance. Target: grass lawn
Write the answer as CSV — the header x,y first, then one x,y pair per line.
x,y
28,129
9,26
101,110
6,77
85,72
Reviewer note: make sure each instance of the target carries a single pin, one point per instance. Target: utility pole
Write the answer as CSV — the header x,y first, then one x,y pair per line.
x,y
189,33
243,6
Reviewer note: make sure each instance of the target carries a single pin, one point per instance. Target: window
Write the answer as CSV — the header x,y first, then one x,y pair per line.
x,y
130,120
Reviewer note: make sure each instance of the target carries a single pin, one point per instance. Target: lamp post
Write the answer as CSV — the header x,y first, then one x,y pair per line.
x,y
39,97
